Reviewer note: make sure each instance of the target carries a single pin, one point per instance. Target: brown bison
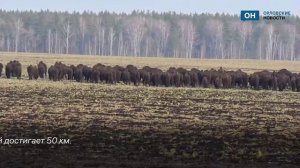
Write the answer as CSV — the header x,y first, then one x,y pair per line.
x,y
1,67
33,72
286,72
95,77
205,82
298,84
240,79
87,73
131,68
13,69
254,81
42,69
109,75
145,77
295,82
176,79
187,79
283,81
166,79
194,78
118,72
68,73
135,76
226,80
53,73
266,79
156,78
78,74
125,77
218,83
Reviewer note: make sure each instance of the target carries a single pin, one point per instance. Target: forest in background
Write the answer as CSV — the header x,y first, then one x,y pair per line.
x,y
148,33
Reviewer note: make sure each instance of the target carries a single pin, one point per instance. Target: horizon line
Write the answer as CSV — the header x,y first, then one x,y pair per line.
x,y
129,12
118,12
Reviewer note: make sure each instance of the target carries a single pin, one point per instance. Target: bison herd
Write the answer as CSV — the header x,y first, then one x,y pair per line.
x,y
173,77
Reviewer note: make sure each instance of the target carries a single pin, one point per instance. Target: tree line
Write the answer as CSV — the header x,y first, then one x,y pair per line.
x,y
148,33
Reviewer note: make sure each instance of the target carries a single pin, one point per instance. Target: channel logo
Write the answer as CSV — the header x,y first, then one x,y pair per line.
x,y
276,15
249,15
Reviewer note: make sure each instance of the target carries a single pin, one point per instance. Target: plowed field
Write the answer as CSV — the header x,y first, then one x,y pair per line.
x,y
128,126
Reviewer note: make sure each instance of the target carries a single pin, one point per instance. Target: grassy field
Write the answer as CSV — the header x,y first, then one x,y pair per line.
x,y
128,126
162,63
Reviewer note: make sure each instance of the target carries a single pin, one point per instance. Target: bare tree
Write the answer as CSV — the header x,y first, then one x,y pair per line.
x,y
135,29
245,30
49,41
8,43
2,36
259,48
82,30
102,41
95,45
67,34
100,35
203,49
292,41
18,23
56,43
29,40
214,29
120,44
276,44
111,35
188,31
162,28
270,40
2,42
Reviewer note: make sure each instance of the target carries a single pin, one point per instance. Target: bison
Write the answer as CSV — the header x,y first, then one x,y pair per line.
x,y
283,81
254,81
166,79
125,77
135,76
286,72
68,72
42,69
218,83
145,76
1,67
205,82
33,72
226,80
53,73
87,73
240,79
78,74
13,69
298,84
95,77
156,78
266,79
177,79
194,78
187,79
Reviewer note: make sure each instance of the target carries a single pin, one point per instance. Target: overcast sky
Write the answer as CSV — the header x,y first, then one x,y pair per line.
x,y
184,6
